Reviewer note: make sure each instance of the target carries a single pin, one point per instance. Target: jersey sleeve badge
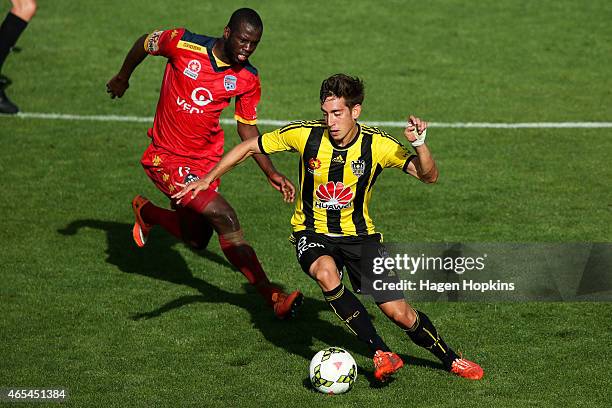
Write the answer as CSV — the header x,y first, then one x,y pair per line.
x,y
152,42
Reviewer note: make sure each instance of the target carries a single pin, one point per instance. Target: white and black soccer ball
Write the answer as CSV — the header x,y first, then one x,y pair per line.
x,y
333,371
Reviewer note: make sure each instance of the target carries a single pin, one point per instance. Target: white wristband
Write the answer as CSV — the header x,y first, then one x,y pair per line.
x,y
420,138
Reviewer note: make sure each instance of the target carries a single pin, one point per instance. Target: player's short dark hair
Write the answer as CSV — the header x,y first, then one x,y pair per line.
x,y
343,86
247,16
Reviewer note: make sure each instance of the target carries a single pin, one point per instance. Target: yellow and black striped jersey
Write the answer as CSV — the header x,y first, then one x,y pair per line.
x,y
336,182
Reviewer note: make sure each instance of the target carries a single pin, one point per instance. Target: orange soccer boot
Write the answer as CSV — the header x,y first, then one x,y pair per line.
x,y
385,364
467,369
141,229
285,306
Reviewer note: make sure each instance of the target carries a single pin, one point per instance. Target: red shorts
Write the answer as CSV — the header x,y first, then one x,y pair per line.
x,y
167,169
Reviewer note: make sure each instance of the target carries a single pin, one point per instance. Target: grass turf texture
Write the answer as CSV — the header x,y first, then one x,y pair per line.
x,y
82,307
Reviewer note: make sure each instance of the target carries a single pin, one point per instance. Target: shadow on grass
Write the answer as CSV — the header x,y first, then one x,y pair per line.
x,y
159,260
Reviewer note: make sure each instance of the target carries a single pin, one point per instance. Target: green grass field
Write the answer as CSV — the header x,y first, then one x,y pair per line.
x,y
81,307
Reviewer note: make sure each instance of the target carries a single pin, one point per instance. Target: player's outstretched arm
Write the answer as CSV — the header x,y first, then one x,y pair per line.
x,y
118,84
277,180
423,166
235,156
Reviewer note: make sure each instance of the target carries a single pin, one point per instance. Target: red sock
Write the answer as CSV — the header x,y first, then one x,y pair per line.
x,y
243,257
167,219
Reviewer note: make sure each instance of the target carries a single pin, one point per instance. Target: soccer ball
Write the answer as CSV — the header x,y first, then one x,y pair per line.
x,y
333,371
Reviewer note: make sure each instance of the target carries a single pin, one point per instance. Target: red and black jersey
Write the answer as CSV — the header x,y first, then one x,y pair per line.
x,y
196,87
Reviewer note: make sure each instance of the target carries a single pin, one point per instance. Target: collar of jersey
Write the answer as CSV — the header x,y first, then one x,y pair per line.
x,y
331,140
216,63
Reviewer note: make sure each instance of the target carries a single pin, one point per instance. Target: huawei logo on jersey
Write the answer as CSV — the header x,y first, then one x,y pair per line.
x,y
334,196
200,97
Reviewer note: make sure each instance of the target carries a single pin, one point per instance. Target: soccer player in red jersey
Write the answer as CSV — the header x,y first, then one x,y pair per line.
x,y
202,75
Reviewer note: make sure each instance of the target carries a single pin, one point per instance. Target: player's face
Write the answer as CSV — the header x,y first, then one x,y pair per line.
x,y
340,119
241,43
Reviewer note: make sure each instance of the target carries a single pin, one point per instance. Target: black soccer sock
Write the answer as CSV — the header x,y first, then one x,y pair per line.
x,y
352,312
424,334
10,30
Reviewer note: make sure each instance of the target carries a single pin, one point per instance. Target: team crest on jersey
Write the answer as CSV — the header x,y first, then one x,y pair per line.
x,y
334,196
193,68
190,178
358,167
229,82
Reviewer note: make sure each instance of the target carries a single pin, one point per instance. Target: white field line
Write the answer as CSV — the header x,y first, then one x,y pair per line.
x,y
480,125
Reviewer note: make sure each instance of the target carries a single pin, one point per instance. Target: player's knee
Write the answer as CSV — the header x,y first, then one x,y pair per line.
x,y
24,9
227,222
223,218
31,8
326,274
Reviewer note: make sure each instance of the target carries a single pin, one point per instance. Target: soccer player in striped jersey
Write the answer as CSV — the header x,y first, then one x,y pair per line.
x,y
340,162
202,75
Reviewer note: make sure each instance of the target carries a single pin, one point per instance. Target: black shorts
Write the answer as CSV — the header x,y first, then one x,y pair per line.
x,y
356,254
